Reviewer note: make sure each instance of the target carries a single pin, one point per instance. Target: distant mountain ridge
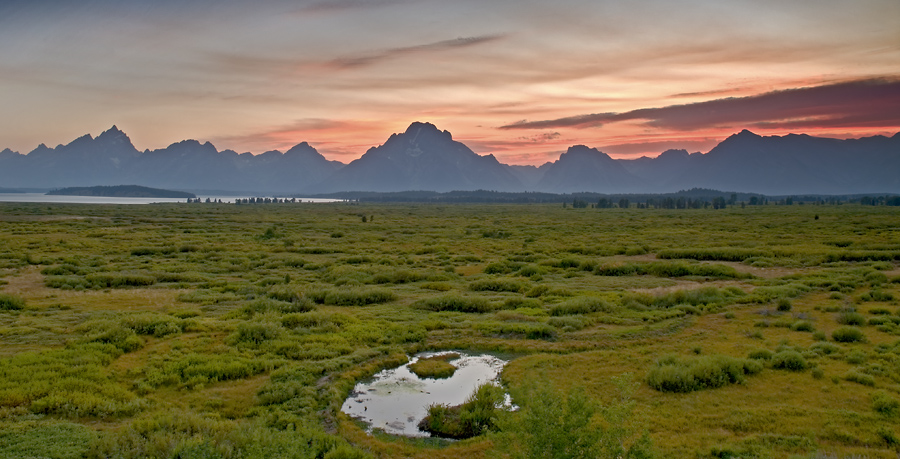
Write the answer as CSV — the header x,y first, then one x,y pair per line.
x,y
121,191
427,159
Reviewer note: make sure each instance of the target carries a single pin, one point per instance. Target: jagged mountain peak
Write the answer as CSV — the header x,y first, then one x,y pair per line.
x,y
302,148
113,134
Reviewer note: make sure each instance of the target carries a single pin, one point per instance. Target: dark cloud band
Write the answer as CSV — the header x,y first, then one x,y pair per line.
x,y
869,102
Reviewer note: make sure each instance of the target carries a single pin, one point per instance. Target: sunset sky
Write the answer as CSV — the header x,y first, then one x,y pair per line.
x,y
520,79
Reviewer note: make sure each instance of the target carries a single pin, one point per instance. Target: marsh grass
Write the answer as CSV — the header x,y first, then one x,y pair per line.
x,y
435,367
195,331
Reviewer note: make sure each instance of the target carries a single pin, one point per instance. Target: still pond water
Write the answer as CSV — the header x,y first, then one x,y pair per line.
x,y
395,400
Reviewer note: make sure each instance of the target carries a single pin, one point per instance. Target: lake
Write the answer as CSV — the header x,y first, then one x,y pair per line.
x,y
40,197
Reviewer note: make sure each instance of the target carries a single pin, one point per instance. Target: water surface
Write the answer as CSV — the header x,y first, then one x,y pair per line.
x,y
40,197
396,400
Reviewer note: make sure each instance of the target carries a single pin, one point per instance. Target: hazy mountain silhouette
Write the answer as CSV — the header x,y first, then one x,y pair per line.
x,y
426,158
797,164
659,171
422,158
84,161
111,159
587,169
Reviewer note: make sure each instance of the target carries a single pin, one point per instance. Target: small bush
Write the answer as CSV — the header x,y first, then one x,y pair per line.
x,y
784,305
851,318
789,360
848,335
884,404
672,374
860,378
255,333
856,357
760,354
802,326
11,302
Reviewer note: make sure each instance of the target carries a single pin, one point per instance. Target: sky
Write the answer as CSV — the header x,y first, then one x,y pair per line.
x,y
520,79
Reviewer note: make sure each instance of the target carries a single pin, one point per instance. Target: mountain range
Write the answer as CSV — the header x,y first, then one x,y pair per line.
x,y
426,158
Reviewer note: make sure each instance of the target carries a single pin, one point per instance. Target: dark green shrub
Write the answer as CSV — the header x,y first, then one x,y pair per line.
x,y
789,360
803,326
760,354
474,417
851,318
11,302
119,280
581,305
848,335
352,296
860,378
497,285
784,305
537,291
673,374
255,333
456,303
856,357
157,325
714,253
884,404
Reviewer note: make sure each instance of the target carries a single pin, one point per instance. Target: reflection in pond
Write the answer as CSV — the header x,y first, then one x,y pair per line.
x,y
395,400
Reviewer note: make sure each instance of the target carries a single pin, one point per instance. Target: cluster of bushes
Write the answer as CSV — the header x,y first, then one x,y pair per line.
x,y
193,369
472,418
848,335
351,296
581,305
714,253
527,330
458,303
497,285
708,297
688,374
99,280
669,269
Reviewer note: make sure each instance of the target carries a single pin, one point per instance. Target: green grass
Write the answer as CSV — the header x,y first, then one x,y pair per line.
x,y
238,331
436,367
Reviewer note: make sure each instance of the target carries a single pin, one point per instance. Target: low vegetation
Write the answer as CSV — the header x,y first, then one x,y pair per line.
x,y
224,331
436,367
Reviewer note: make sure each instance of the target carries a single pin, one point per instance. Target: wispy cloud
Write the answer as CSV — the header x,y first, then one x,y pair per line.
x,y
868,102
378,56
343,5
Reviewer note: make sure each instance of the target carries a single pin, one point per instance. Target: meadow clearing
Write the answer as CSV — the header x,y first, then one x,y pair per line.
x,y
220,330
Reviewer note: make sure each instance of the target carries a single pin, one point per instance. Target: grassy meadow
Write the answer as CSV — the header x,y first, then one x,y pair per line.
x,y
216,330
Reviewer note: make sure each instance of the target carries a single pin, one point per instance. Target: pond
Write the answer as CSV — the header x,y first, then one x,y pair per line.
x,y
396,400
